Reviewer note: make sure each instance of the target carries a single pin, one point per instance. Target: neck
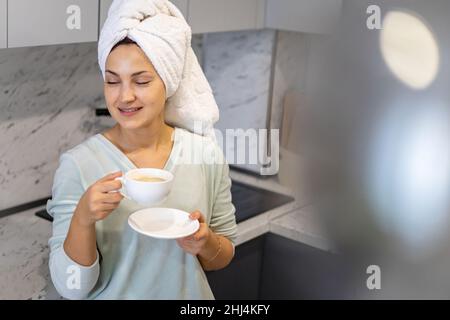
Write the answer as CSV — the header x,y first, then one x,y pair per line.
x,y
151,137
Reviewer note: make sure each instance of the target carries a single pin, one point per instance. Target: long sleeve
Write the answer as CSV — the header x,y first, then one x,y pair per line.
x,y
223,219
71,280
130,265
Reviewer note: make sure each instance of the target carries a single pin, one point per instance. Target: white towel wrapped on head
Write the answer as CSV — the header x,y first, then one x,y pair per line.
x,y
161,31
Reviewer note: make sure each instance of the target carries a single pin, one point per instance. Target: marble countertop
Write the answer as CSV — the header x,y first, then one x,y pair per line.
x,y
24,251
295,220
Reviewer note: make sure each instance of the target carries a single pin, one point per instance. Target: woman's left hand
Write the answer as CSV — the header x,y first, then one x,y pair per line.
x,y
194,244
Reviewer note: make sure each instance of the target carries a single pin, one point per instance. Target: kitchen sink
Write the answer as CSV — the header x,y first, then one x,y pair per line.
x,y
248,200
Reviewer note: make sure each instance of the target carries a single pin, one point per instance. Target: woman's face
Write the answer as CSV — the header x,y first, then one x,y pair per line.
x,y
135,94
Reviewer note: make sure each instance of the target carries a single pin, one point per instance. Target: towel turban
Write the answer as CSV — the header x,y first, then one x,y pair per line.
x,y
161,31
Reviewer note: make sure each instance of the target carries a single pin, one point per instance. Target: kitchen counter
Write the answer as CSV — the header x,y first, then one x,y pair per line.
x,y
24,251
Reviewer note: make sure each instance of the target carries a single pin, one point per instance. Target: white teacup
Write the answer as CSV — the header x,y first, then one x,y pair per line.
x,y
144,192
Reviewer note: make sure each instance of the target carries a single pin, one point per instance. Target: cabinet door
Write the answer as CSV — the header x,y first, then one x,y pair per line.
x,y
292,270
3,24
46,22
105,4
312,16
182,5
240,280
104,7
219,15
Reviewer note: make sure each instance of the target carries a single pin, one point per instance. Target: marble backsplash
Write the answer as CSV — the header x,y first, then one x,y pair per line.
x,y
47,100
290,70
48,95
238,66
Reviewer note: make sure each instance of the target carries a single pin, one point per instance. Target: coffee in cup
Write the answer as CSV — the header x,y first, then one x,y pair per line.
x,y
146,186
146,178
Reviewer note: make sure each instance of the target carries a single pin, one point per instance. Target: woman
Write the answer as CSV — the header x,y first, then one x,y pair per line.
x,y
94,253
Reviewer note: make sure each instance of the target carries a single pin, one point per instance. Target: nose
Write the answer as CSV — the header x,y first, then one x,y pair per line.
x,y
127,94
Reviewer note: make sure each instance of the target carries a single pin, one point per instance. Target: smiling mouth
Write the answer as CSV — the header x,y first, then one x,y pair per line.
x,y
129,110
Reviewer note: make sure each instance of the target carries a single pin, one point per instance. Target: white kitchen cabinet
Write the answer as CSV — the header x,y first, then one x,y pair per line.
x,y
104,7
46,22
309,16
230,15
3,25
105,4
183,6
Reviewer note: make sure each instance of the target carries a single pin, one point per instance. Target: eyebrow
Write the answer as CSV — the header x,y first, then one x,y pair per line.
x,y
133,75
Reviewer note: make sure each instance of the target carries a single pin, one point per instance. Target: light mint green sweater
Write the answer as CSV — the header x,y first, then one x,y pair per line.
x,y
130,265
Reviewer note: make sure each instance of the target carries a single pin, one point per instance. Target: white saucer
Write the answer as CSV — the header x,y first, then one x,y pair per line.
x,y
163,223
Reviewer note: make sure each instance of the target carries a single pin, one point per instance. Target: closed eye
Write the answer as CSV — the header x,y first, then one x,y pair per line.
x,y
138,83
143,83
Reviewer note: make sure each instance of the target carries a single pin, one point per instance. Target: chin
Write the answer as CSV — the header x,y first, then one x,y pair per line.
x,y
133,124
137,122
130,124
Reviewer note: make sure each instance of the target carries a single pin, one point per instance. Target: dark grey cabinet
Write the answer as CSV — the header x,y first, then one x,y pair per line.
x,y
292,270
240,280
274,267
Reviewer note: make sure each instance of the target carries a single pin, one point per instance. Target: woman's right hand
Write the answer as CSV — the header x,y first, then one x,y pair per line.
x,y
99,200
